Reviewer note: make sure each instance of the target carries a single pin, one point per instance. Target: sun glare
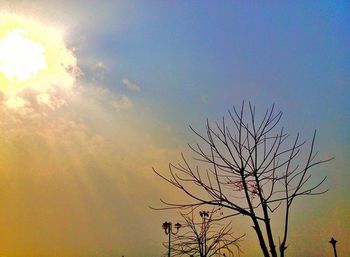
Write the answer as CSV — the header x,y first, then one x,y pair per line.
x,y
33,55
20,58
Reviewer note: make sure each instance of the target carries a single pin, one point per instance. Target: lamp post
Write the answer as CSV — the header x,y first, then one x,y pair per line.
x,y
168,229
204,214
333,242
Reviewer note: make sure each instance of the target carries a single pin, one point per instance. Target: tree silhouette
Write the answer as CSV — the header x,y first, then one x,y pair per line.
x,y
251,167
204,236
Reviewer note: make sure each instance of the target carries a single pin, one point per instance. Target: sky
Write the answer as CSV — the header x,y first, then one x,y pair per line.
x,y
122,82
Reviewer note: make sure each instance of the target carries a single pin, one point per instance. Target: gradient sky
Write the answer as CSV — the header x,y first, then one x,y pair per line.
x,y
77,180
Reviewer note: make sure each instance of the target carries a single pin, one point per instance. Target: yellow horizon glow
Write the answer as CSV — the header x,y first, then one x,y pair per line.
x,y
32,55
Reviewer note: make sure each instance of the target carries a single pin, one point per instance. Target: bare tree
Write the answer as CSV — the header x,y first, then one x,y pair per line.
x,y
252,168
204,236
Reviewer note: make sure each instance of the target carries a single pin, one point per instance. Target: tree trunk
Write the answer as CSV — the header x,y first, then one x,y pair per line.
x,y
260,237
270,236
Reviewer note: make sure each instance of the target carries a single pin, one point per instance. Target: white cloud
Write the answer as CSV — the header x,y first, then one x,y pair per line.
x,y
102,96
15,102
100,64
121,102
130,85
100,70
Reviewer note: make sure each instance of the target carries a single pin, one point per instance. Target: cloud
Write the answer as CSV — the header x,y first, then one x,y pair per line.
x,y
101,65
131,86
121,102
102,96
99,70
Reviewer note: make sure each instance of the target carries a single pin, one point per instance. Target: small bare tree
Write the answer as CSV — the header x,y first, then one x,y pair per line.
x,y
204,236
251,169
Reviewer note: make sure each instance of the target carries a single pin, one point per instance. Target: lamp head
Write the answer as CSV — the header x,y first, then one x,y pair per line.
x,y
177,225
166,225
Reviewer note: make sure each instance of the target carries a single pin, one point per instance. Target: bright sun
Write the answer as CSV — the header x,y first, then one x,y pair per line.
x,y
20,58
33,56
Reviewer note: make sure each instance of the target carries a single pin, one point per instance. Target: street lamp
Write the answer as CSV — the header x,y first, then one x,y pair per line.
x,y
204,214
168,229
333,242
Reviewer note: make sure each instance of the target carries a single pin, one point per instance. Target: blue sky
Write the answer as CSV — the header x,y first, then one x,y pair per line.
x,y
205,57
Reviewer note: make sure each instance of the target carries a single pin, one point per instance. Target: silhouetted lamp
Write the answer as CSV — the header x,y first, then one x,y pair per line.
x,y
178,226
168,229
333,242
204,214
165,226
